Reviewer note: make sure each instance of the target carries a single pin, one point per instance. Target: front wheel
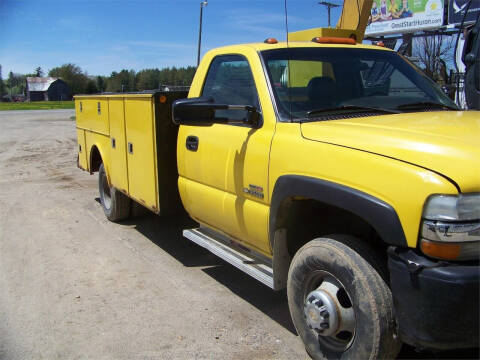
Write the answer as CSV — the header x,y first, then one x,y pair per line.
x,y
115,204
340,305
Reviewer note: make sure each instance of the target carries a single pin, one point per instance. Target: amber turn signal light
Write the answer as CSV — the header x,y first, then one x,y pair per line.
x,y
440,250
271,41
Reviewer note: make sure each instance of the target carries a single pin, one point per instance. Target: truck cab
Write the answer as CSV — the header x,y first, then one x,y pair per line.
x,y
349,149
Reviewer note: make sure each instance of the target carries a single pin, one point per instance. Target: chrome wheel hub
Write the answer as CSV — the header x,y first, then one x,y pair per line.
x,y
321,313
329,312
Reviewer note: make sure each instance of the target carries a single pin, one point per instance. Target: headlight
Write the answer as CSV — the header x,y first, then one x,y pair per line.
x,y
451,227
451,207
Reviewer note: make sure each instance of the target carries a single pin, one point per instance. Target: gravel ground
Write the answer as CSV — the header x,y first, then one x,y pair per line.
x,y
73,285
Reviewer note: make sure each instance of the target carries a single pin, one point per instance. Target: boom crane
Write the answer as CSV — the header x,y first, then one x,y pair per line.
x,y
355,14
352,23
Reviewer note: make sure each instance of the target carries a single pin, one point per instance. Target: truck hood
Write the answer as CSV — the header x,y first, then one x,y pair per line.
x,y
447,142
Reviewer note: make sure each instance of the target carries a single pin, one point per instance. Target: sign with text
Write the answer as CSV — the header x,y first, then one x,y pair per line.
x,y
404,16
457,8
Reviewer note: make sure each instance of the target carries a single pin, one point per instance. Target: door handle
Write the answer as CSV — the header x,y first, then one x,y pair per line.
x,y
130,148
192,143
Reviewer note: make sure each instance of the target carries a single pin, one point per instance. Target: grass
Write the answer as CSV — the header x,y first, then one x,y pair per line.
x,y
37,105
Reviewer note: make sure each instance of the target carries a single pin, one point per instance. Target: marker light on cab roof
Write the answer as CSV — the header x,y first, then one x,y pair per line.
x,y
271,41
334,40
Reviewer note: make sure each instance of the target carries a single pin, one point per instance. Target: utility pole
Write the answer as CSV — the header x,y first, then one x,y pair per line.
x,y
328,5
202,5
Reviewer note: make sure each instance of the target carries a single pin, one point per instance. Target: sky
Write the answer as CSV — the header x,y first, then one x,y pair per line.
x,y
102,36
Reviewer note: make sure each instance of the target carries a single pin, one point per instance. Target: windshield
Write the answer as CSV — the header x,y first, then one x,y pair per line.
x,y
308,82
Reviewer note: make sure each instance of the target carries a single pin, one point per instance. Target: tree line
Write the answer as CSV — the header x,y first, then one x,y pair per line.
x,y
119,81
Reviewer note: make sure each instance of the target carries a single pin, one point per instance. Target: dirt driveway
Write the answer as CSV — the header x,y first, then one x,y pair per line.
x,y
73,285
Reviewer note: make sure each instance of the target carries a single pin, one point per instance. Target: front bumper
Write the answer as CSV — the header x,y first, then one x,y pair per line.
x,y
436,302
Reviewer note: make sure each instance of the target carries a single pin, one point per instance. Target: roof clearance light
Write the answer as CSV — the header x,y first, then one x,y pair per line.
x,y
271,41
334,40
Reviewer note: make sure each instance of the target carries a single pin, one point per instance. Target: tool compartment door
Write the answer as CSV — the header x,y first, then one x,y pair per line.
x,y
118,145
141,152
92,113
82,151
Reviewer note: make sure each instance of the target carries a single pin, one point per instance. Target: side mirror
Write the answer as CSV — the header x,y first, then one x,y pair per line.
x,y
470,59
203,111
471,46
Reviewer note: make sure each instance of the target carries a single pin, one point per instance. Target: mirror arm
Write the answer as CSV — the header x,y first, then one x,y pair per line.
x,y
241,107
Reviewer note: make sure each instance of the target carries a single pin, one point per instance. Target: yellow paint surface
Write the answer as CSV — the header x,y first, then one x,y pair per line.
x,y
126,118
309,34
401,159
140,130
118,172
92,114
229,159
82,151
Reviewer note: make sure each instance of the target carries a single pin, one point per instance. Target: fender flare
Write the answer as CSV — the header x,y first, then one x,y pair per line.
x,y
380,215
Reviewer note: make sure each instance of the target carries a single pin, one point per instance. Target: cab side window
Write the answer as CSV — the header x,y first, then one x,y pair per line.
x,y
230,81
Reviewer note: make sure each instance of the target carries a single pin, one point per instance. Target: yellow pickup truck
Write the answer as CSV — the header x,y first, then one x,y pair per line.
x,y
330,168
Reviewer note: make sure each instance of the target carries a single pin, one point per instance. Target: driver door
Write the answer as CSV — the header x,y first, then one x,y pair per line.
x,y
224,177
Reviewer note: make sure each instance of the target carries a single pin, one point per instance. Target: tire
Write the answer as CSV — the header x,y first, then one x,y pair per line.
x,y
349,305
115,204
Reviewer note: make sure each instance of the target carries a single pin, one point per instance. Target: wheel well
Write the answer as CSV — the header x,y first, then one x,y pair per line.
x,y
95,159
307,219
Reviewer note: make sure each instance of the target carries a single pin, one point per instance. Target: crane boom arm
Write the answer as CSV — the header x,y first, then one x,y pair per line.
x,y
352,23
354,16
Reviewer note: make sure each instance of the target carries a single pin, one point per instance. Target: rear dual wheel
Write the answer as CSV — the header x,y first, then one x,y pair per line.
x,y
339,303
115,204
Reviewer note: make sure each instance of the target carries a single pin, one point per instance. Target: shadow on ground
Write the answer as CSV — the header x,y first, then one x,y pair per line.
x,y
166,233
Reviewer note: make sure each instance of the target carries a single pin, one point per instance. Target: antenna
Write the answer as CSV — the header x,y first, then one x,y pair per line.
x,y
329,6
286,19
288,65
202,5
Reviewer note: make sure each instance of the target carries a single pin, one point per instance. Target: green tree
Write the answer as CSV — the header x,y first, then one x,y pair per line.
x,y
39,72
11,82
2,85
15,83
148,79
91,87
122,81
73,75
100,83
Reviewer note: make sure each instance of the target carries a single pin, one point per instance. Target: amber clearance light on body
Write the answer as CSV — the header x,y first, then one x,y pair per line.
x,y
334,40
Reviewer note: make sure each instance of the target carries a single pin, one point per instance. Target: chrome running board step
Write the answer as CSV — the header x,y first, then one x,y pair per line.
x,y
240,260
